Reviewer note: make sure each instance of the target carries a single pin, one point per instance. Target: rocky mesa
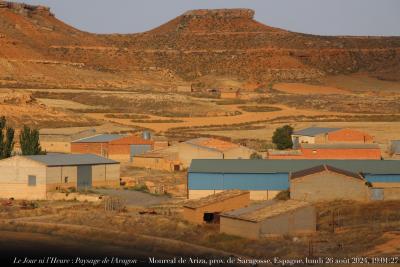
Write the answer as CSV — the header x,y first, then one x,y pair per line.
x,y
39,50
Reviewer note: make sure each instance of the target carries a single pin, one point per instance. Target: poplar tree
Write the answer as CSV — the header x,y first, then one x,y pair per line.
x,y
6,139
29,140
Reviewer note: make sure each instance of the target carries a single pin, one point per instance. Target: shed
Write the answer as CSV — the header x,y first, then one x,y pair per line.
x,y
323,135
207,209
162,159
326,183
270,218
59,140
118,147
211,148
395,148
32,177
308,135
265,178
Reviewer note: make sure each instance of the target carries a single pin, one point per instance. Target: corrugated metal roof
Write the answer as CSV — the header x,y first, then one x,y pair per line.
x,y
313,131
287,166
100,138
340,146
211,199
265,210
322,168
70,159
396,146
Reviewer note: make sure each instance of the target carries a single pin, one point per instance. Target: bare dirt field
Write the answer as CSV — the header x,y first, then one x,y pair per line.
x,y
308,89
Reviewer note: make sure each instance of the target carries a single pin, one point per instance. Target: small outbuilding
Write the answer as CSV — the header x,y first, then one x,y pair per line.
x,y
323,135
326,183
270,218
33,177
208,209
59,140
211,148
114,146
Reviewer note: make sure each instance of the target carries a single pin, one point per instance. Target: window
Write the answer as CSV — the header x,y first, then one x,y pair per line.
x,y
66,179
31,180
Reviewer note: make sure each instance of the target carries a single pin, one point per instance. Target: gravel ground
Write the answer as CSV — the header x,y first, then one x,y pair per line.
x,y
135,198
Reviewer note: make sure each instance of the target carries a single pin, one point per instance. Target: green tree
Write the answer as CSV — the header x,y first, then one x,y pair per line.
x,y
29,140
282,137
255,155
6,139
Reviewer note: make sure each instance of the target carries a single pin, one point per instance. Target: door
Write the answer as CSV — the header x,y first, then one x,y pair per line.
x,y
377,194
84,177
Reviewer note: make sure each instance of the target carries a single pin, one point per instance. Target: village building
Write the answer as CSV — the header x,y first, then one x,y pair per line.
x,y
395,149
327,183
179,156
266,178
330,151
113,146
321,135
33,177
270,218
208,209
210,148
166,159
59,141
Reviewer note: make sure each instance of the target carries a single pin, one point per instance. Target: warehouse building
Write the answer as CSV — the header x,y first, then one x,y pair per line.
x,y
270,218
59,141
266,178
326,183
166,159
322,135
32,177
210,148
113,146
208,209
330,151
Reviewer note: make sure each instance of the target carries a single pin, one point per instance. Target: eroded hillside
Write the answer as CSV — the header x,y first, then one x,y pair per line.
x,y
38,50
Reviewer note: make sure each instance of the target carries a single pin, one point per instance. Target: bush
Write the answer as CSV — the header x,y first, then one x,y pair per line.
x,y
282,137
255,155
283,195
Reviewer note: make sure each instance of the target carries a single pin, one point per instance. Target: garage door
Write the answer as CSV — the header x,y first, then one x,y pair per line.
x,y
84,177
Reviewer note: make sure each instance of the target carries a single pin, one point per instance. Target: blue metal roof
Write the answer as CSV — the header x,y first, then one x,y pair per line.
x,y
101,138
313,131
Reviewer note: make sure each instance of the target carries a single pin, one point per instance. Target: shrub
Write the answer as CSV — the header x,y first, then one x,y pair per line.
x,y
282,137
255,155
283,195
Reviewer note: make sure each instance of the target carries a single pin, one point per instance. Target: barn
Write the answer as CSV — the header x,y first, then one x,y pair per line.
x,y
330,151
59,140
323,135
327,183
266,178
114,146
270,218
32,177
210,148
207,209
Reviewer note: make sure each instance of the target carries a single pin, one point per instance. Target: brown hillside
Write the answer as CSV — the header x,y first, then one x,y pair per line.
x,y
37,50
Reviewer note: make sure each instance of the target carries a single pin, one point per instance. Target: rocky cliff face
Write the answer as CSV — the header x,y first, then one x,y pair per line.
x,y
222,42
